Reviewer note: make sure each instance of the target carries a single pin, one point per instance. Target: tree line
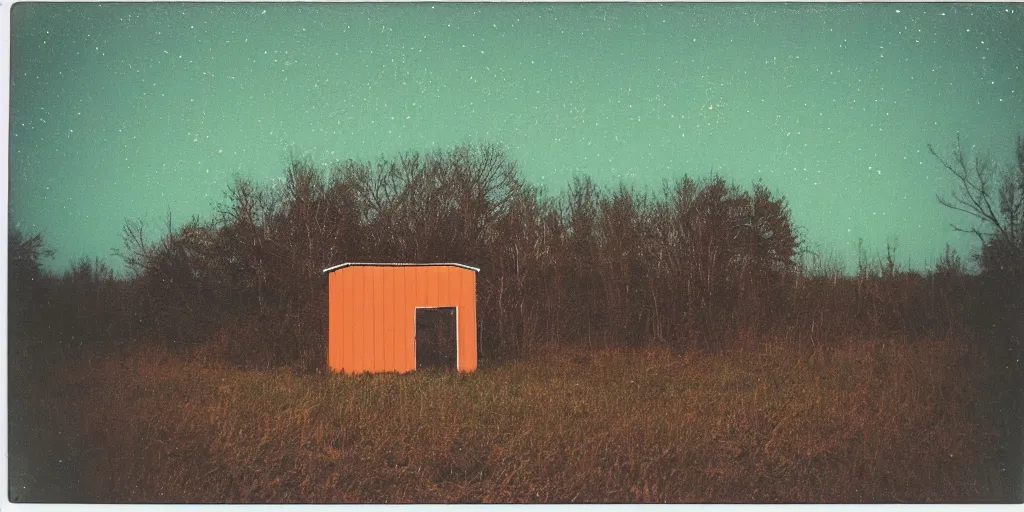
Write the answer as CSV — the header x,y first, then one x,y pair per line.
x,y
694,264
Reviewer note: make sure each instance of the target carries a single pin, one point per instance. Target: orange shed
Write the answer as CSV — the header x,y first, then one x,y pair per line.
x,y
373,310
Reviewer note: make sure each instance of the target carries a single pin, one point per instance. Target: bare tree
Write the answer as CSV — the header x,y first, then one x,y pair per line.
x,y
992,197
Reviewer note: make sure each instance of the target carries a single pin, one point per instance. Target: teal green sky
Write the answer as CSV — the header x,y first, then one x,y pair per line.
x,y
134,110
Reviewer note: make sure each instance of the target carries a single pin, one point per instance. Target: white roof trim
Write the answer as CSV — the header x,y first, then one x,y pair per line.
x,y
343,265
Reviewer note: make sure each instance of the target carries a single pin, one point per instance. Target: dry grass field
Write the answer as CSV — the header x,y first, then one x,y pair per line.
x,y
871,421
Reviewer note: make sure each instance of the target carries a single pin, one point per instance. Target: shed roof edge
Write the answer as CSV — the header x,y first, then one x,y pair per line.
x,y
343,265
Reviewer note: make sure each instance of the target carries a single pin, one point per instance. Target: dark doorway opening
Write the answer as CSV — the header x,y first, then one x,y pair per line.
x,y
436,342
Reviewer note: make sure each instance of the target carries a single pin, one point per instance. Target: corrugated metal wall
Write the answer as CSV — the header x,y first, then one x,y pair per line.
x,y
372,319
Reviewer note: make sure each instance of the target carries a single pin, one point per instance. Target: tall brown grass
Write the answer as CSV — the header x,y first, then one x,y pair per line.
x,y
863,421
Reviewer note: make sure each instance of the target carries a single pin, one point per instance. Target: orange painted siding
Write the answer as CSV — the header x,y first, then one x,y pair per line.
x,y
407,319
442,285
346,329
337,318
389,321
399,320
332,323
467,324
359,308
377,329
372,314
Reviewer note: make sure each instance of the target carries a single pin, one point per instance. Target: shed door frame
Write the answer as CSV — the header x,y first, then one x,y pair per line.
x,y
458,362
